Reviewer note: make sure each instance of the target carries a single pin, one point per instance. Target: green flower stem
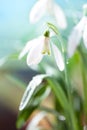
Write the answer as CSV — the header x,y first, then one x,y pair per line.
x,y
68,88
71,109
59,93
84,76
61,97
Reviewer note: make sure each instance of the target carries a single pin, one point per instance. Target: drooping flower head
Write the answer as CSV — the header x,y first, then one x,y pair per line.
x,y
43,7
78,32
40,46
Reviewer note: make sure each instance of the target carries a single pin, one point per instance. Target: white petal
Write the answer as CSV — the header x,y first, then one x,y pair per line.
x,y
85,9
85,36
85,127
50,4
38,11
35,55
30,89
73,41
75,37
58,57
60,17
46,46
27,47
33,124
80,26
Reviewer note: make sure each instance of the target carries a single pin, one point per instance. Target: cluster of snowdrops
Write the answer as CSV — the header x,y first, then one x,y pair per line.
x,y
56,98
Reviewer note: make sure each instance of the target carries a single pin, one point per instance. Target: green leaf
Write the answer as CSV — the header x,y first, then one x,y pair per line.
x,y
24,115
59,93
34,103
53,27
42,93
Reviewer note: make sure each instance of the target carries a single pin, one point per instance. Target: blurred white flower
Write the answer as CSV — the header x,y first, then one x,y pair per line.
x,y
85,36
33,124
40,46
78,32
43,7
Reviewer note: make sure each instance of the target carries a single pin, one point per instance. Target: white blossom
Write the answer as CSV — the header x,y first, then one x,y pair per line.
x,y
43,7
37,48
33,124
78,32
85,36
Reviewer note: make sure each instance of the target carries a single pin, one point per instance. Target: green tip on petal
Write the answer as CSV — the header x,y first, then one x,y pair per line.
x,y
47,33
85,9
46,52
53,28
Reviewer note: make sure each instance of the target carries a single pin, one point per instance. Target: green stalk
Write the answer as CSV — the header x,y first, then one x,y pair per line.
x,y
84,76
68,88
71,109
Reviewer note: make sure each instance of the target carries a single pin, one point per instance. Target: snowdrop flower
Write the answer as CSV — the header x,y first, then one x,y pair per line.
x,y
78,32
40,46
43,7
